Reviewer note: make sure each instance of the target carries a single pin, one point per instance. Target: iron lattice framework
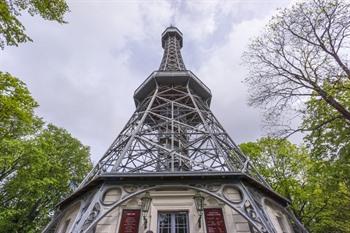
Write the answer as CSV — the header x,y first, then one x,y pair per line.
x,y
173,129
172,136
172,43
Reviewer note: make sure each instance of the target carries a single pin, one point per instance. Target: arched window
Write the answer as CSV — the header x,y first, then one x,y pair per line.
x,y
278,217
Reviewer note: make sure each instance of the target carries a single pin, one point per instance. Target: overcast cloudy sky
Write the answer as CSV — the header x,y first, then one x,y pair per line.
x,y
84,73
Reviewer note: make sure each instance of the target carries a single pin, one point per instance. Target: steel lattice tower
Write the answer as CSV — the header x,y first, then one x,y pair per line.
x,y
173,140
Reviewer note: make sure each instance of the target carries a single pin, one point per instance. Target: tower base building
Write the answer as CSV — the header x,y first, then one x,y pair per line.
x,y
174,169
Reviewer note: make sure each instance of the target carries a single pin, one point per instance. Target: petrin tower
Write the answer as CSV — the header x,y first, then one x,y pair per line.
x,y
173,168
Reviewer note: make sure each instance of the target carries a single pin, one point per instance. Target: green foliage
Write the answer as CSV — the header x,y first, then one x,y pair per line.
x,y
299,70
39,164
329,133
12,31
329,142
17,121
16,116
319,195
283,165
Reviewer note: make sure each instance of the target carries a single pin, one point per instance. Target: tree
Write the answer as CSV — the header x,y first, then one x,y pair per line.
x,y
56,163
12,31
301,49
299,69
17,108
17,121
39,164
329,144
284,166
320,200
330,136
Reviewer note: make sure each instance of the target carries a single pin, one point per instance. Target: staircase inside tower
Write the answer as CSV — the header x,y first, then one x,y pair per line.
x,y
172,136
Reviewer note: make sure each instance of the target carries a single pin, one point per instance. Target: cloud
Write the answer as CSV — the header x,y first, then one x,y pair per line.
x,y
223,72
84,73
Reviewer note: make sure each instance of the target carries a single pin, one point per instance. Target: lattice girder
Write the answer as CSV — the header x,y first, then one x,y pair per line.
x,y
172,141
173,130
172,43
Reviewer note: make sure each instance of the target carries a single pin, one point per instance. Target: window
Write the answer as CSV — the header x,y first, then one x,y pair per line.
x,y
278,217
65,227
173,222
280,220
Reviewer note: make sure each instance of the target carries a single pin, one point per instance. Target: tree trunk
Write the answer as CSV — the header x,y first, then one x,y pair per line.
x,y
335,104
341,64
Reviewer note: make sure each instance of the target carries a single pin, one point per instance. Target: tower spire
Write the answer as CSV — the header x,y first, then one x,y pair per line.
x,y
172,44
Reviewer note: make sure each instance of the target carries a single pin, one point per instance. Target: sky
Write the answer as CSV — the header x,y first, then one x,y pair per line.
x,y
83,73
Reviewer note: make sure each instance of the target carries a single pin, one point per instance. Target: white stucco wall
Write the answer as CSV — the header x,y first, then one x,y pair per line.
x,y
173,200
70,215
273,211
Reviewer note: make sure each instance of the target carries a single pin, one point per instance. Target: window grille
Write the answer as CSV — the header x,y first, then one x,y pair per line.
x,y
173,222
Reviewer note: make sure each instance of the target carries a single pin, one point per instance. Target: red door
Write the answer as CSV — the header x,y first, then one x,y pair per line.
x,y
214,220
130,221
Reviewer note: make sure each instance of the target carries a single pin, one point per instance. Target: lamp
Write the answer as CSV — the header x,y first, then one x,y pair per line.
x,y
145,204
199,201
